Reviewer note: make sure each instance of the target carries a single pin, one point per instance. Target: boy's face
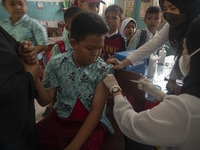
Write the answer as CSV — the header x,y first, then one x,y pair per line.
x,y
153,21
16,8
87,51
130,29
114,21
94,7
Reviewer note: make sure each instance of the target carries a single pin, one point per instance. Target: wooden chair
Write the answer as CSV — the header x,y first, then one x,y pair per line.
x,y
135,97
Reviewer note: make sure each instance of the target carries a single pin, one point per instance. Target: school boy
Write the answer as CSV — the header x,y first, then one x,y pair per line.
x,y
153,18
63,45
69,14
78,120
114,42
22,27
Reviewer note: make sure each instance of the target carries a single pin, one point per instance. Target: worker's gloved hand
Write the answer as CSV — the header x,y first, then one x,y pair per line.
x,y
111,82
147,86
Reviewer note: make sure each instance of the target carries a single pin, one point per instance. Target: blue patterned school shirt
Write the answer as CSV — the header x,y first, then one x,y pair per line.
x,y
72,83
26,29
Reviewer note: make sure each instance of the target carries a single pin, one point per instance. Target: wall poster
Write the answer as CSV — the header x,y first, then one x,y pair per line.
x,y
144,6
127,6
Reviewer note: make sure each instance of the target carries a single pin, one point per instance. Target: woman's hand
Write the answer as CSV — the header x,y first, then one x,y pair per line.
x,y
111,82
147,86
117,63
34,69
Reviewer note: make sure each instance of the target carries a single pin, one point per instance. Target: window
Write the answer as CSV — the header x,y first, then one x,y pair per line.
x,y
103,7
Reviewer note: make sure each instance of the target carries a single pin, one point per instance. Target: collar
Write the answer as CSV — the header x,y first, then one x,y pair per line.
x,y
69,56
22,19
149,34
109,35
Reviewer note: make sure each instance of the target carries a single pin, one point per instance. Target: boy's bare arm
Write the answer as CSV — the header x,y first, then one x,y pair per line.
x,y
40,48
44,96
100,97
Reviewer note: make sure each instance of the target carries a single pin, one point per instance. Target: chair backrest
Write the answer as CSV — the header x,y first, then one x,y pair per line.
x,y
137,99
129,89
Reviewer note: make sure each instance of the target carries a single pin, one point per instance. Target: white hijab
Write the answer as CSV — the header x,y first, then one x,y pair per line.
x,y
124,24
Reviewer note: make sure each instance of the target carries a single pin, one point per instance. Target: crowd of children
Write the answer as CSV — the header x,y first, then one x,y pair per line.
x,y
153,18
74,79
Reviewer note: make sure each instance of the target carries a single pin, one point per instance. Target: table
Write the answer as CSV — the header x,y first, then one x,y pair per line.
x,y
162,75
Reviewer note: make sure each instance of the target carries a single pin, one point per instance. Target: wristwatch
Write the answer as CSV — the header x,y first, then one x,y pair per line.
x,y
116,89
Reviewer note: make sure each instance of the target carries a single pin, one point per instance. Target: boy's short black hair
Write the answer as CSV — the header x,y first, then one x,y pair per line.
x,y
153,9
71,12
87,23
115,8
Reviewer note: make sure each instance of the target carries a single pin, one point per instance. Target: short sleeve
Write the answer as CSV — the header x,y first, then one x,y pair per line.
x,y
103,70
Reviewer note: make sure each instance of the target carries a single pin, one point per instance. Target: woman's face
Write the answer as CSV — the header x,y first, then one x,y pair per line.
x,y
170,8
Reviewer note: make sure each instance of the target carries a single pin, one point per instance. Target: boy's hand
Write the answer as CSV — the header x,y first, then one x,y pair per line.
x,y
173,86
34,69
28,52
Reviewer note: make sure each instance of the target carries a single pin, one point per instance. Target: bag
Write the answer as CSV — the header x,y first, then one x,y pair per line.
x,y
61,45
143,38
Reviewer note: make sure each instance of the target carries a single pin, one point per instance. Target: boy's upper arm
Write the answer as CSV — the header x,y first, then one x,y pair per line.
x,y
100,96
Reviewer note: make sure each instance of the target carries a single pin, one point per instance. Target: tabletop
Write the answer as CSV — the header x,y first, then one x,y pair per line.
x,y
161,76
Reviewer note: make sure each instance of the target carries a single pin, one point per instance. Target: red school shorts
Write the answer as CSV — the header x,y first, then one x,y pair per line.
x,y
55,133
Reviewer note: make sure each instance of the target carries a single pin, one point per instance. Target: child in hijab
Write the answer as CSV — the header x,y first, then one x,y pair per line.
x,y
128,29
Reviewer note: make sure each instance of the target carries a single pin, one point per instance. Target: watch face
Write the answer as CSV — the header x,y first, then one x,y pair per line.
x,y
116,89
